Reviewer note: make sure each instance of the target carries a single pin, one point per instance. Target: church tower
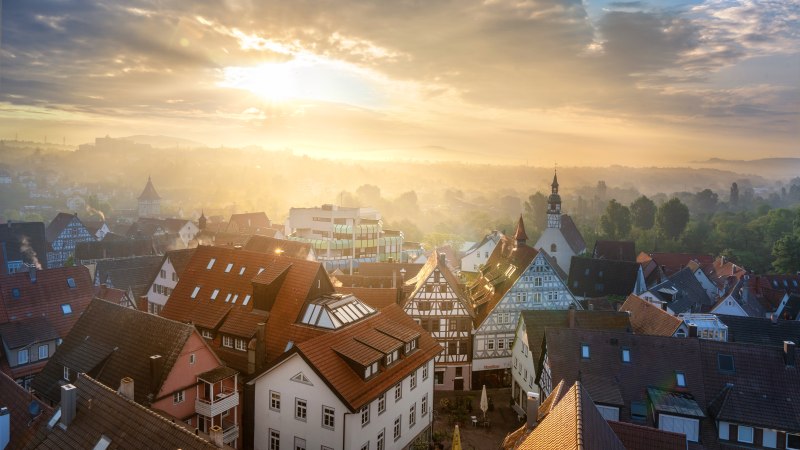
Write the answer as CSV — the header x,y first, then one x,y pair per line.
x,y
554,205
202,221
149,201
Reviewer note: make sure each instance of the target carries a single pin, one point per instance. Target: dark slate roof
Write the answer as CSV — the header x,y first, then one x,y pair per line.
x,y
386,269
616,250
58,224
572,235
611,381
26,332
536,321
762,331
265,244
601,277
248,223
24,241
637,437
149,192
128,272
689,295
111,342
24,425
114,248
761,391
180,259
103,412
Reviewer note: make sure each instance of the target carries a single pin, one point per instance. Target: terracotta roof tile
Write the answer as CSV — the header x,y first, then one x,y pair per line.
x,y
266,244
638,437
673,262
647,318
377,298
248,223
386,269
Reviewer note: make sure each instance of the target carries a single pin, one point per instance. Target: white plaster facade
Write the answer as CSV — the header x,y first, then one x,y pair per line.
x,y
477,257
293,379
162,287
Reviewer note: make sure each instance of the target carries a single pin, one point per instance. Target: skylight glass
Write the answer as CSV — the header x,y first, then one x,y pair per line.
x,y
66,308
241,271
246,300
210,263
228,267
195,291
71,282
214,294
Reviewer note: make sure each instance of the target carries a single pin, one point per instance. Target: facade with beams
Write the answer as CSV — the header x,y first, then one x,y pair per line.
x,y
438,304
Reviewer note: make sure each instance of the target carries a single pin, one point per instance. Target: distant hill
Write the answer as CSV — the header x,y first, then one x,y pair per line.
x,y
163,141
765,167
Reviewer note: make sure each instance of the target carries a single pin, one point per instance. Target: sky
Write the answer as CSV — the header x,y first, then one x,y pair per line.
x,y
537,82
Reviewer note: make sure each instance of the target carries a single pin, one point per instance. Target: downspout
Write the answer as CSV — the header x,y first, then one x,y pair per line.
x,y
344,428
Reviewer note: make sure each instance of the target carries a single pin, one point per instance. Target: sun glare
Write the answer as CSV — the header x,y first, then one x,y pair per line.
x,y
271,81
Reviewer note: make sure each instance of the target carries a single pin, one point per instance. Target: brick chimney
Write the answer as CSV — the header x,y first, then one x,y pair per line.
x,y
69,404
32,273
788,353
156,367
126,388
215,433
532,409
571,316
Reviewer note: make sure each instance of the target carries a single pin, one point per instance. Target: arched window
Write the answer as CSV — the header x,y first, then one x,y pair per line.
x,y
553,247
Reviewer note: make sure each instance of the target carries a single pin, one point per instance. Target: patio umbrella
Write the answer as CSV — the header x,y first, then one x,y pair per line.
x,y
484,402
456,439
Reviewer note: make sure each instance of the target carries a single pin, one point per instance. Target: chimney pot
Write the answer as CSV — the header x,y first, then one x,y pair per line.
x,y
692,330
532,409
69,404
126,388
571,316
215,432
156,367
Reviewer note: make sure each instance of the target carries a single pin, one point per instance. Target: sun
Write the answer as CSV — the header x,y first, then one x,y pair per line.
x,y
271,81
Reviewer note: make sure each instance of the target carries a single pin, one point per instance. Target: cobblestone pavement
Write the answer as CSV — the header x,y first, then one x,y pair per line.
x,y
502,419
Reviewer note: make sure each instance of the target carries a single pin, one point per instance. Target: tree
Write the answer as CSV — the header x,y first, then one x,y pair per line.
x,y
705,201
734,194
616,222
787,254
672,218
643,213
536,211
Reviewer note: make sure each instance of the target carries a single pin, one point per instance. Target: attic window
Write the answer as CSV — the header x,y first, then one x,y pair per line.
x,y
680,379
195,291
228,298
241,271
371,370
246,300
260,269
638,411
66,309
626,355
71,283
725,363
214,294
392,357
585,351
228,267
210,263
15,292
235,297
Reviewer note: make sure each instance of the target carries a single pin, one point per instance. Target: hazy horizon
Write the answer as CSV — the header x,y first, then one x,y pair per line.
x,y
544,82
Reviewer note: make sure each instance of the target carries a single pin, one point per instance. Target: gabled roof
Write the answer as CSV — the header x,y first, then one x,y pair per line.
x,y
438,262
536,321
683,292
149,192
377,298
574,423
386,269
647,318
265,244
721,270
109,294
111,342
616,250
101,412
390,323
760,391
129,273
26,411
493,237
502,270
673,262
248,223
612,381
45,297
573,237
638,437
57,225
23,241
25,332
114,248
179,259
601,277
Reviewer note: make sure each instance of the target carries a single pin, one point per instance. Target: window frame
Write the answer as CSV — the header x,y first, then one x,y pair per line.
x,y
27,354
739,430
46,351
398,391
328,415
364,412
300,409
179,397
382,403
275,399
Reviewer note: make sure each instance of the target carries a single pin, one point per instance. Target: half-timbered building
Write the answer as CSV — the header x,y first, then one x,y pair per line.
x,y
515,278
438,303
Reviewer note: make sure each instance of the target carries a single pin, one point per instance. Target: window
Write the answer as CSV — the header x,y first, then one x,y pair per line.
x,y
178,397
689,427
397,428
299,443
626,355
770,439
227,341
724,431
585,351
412,416
66,309
398,391
382,403
553,247
71,283
414,380
501,344
745,434
792,441
207,334
365,446
490,344
300,409
537,281
680,379
275,401
174,276
274,438
228,267
241,345
163,273
424,407
22,356
66,373
44,351
411,346
364,415
246,300
425,372
609,412
371,370
638,411
15,292
380,443
537,297
725,363
210,264
438,377
214,294
195,291
392,357
328,417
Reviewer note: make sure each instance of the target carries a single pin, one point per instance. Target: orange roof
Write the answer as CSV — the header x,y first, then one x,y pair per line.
x,y
377,298
321,354
647,318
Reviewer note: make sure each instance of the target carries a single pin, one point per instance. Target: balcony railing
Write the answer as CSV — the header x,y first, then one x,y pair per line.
x,y
230,433
223,402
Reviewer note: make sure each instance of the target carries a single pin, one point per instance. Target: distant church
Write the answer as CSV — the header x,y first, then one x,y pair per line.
x,y
561,239
149,201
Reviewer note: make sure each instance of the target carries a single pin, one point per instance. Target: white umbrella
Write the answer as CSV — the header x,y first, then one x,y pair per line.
x,y
484,402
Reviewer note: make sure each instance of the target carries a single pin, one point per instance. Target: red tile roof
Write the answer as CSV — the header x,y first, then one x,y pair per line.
x,y
638,437
248,223
647,318
149,192
377,298
321,354
673,262
44,297
266,244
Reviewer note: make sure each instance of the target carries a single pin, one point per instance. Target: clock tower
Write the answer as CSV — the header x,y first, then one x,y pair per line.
x,y
554,205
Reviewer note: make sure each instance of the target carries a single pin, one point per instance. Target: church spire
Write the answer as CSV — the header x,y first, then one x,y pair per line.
x,y
520,236
554,205
202,221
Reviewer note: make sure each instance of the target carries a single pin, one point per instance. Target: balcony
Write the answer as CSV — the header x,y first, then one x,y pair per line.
x,y
230,432
222,402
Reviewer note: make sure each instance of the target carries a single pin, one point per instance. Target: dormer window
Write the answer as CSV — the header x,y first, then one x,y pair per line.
x,y
211,264
371,370
410,346
392,357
